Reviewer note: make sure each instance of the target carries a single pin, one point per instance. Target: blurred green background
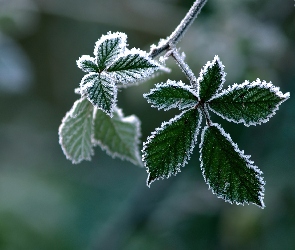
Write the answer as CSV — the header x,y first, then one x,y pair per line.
x,y
48,203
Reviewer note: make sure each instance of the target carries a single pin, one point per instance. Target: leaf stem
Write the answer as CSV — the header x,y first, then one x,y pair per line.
x,y
185,68
178,33
206,114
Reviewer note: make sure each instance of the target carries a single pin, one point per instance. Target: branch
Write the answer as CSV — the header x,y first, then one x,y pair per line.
x,y
178,33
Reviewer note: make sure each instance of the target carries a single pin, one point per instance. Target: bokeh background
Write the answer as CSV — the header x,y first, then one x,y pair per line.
x,y
48,203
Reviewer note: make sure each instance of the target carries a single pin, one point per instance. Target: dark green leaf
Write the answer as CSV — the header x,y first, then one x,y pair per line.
x,y
228,172
108,48
248,103
75,132
170,146
211,79
133,67
118,135
172,95
100,91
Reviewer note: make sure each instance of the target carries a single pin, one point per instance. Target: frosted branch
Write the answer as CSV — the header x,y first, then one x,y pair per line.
x,y
178,33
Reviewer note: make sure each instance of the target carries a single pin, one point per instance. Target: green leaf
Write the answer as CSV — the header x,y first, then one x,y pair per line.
x,y
172,95
228,172
108,48
248,103
75,132
133,66
87,64
211,79
170,146
100,90
119,135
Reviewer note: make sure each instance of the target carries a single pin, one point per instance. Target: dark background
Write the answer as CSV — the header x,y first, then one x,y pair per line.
x,y
48,203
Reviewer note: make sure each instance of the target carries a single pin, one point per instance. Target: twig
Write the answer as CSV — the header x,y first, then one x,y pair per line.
x,y
178,33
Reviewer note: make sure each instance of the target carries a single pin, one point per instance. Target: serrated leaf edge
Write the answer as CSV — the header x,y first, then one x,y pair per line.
x,y
83,90
257,83
168,84
110,36
163,126
148,71
204,70
84,58
70,114
126,119
241,154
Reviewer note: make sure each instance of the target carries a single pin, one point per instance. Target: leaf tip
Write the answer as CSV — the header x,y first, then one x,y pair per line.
x,y
286,96
150,180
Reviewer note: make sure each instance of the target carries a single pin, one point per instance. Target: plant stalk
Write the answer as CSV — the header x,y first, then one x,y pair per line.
x,y
178,33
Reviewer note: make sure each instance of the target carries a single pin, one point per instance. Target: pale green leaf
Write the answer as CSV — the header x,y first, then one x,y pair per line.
x,y
100,90
118,135
172,95
170,146
229,173
248,103
75,132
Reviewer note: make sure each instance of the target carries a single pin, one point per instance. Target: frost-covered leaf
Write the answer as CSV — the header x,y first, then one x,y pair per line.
x,y
132,67
211,79
118,135
100,90
108,48
229,173
170,146
113,65
87,64
75,132
248,103
172,95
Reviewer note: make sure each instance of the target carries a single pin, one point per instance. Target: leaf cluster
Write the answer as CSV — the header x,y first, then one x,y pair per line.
x,y
229,173
102,123
95,120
